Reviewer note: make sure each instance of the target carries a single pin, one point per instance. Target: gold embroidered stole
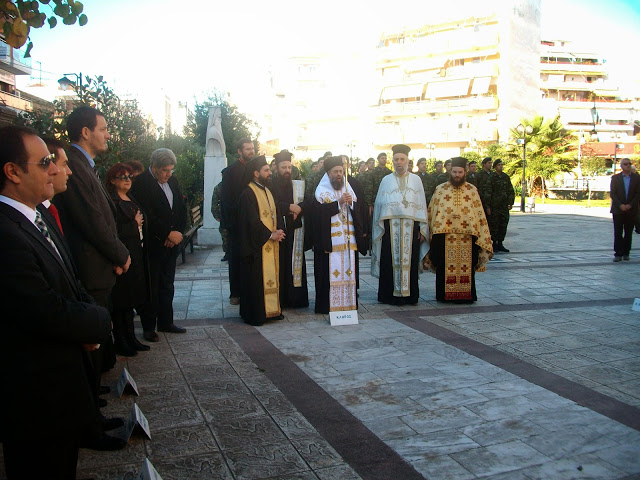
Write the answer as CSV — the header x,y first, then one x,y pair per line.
x,y
401,232
458,266
270,252
298,237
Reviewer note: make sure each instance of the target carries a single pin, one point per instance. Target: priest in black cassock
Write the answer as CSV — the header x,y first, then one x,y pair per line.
x,y
338,236
289,197
399,233
260,233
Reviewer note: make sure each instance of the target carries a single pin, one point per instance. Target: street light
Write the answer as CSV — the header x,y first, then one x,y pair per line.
x,y
616,136
432,147
523,131
66,84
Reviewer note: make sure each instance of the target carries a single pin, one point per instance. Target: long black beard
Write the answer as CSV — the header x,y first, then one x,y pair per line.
x,y
265,182
337,184
456,183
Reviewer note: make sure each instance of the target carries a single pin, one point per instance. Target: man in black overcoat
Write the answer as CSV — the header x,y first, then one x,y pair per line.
x,y
159,195
48,323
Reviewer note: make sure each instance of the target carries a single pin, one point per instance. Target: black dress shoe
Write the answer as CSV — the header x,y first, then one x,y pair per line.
x,y
151,336
173,328
112,423
102,402
139,346
106,443
279,317
104,390
224,259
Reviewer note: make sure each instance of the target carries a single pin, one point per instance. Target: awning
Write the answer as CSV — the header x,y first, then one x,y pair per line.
x,y
624,115
402,91
480,85
452,88
576,116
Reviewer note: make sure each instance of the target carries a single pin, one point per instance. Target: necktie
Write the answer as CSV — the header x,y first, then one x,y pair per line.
x,y
45,231
54,211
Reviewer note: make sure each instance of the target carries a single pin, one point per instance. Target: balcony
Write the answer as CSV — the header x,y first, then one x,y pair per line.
x,y
16,103
585,68
12,60
424,107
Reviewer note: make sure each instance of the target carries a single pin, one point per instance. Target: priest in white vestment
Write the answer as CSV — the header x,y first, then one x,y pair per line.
x,y
400,233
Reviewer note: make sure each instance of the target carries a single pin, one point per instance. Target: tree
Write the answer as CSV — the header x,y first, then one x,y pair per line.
x,y
549,152
131,138
235,124
473,157
19,16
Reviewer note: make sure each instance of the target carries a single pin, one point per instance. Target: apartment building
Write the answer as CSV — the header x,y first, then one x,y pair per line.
x,y
460,84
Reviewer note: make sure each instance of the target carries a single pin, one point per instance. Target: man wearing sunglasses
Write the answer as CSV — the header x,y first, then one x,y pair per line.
x,y
47,317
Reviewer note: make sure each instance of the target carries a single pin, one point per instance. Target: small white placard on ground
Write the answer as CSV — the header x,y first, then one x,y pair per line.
x,y
126,380
137,419
148,471
636,305
348,317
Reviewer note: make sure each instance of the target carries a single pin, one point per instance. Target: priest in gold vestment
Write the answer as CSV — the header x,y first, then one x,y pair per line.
x,y
460,242
260,229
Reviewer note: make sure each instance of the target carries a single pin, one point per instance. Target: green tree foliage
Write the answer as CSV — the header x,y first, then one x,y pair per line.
x,y
593,165
20,16
473,157
235,124
550,151
132,138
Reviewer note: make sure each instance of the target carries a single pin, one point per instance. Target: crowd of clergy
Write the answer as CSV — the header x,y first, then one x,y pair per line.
x,y
407,222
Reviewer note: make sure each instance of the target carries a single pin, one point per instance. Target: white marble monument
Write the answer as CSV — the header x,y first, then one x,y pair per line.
x,y
214,161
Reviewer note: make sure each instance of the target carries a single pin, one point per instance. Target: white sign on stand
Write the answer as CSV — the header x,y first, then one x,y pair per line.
x,y
636,305
137,418
148,471
347,317
126,380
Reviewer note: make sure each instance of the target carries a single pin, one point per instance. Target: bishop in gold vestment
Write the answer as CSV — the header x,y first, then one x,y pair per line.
x,y
459,237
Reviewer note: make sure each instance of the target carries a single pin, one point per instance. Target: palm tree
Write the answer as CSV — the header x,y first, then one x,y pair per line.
x,y
549,151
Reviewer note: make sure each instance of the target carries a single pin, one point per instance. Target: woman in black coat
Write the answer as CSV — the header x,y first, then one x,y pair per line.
x,y
131,289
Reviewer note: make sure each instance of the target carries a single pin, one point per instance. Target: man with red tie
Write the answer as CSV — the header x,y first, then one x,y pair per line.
x,y
60,179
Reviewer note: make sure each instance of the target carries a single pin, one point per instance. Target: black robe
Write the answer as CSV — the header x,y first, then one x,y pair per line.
x,y
437,257
385,282
322,214
290,296
252,236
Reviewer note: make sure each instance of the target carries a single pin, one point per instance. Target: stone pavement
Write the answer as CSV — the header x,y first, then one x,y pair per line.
x,y
539,379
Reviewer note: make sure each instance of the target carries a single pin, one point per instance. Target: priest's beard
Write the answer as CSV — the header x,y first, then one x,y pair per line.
x,y
337,184
456,182
265,181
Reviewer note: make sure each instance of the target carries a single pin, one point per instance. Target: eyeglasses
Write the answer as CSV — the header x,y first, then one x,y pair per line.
x,y
45,162
125,177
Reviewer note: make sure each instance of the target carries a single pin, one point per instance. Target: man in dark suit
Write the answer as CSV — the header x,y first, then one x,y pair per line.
x,y
47,319
86,210
625,194
159,195
232,186
87,217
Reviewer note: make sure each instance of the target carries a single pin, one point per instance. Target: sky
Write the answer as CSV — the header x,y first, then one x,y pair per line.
x,y
187,49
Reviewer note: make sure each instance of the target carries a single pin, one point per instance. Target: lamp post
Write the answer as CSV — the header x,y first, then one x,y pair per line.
x,y
616,136
66,84
523,131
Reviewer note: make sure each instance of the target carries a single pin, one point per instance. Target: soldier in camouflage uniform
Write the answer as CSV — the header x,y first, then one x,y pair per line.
x,y
424,176
373,179
314,179
216,211
432,181
471,173
502,198
444,176
484,185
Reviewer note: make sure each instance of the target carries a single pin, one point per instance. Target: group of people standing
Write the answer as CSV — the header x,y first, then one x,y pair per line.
x,y
79,256
272,219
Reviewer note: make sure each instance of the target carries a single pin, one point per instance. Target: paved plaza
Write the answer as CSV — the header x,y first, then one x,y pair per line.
x,y
539,379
